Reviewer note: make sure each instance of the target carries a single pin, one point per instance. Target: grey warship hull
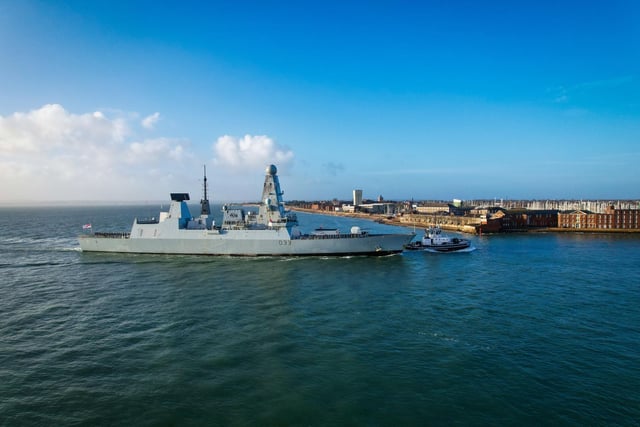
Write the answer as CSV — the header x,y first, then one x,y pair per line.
x,y
272,231
236,243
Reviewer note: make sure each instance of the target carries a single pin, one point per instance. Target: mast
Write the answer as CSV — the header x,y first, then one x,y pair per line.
x,y
272,209
205,208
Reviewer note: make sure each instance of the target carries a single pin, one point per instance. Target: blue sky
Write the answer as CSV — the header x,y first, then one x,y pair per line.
x,y
108,100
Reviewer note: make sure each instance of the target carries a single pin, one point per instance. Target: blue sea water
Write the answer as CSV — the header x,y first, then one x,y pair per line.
x,y
528,329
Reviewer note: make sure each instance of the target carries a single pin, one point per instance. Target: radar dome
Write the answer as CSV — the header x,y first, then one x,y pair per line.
x,y
272,170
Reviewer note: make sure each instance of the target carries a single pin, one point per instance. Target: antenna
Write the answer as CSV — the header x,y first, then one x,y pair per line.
x,y
205,209
205,181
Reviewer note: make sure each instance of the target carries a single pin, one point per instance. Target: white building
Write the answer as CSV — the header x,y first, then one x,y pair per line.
x,y
357,197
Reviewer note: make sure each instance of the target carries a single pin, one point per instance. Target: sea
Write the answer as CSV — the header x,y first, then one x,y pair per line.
x,y
527,329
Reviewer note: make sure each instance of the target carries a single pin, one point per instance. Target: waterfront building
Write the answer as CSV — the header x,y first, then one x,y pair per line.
x,y
514,219
624,218
378,208
542,218
594,206
357,197
617,219
433,208
520,219
460,210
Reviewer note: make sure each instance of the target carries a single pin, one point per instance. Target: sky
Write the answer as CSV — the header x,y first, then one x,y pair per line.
x,y
126,101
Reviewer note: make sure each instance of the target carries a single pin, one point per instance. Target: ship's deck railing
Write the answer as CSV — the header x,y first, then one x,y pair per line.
x,y
284,221
227,226
111,235
255,225
331,236
153,220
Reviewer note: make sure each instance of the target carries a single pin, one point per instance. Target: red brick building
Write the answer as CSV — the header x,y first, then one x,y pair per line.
x,y
624,218
616,219
522,219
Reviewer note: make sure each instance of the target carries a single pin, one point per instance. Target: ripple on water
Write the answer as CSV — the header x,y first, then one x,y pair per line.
x,y
526,328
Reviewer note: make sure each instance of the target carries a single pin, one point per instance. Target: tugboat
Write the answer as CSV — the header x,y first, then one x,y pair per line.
x,y
433,240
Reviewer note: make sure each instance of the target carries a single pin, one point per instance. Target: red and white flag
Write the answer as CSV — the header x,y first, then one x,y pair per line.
x,y
86,227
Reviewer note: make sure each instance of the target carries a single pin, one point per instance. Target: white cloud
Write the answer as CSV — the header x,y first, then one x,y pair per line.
x,y
154,149
149,122
249,152
52,126
52,154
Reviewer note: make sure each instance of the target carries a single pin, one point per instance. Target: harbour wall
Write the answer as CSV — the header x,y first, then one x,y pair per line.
x,y
451,223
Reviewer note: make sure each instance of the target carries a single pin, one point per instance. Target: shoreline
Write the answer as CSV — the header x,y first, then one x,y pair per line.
x,y
382,219
467,229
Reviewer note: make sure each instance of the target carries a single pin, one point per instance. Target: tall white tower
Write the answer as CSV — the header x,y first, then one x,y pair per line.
x,y
357,197
272,211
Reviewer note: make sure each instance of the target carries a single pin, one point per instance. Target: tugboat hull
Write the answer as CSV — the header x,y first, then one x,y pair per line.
x,y
434,241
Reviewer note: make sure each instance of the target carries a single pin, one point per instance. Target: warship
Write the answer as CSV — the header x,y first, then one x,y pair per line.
x,y
271,231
